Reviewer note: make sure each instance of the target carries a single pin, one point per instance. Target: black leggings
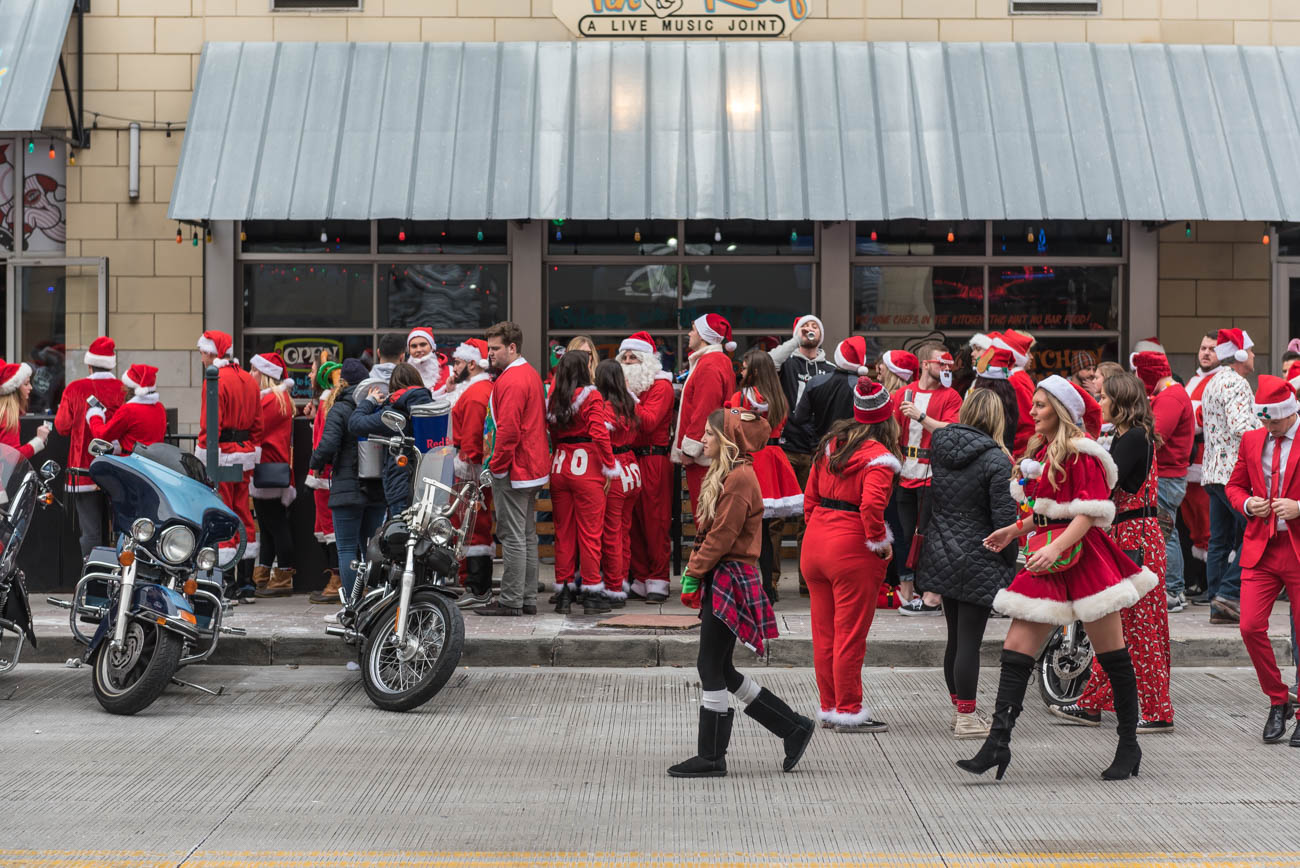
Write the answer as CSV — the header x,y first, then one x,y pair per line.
x,y
961,657
717,643
766,556
273,533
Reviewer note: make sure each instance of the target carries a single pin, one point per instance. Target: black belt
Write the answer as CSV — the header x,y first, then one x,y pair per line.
x,y
1134,514
775,441
840,505
645,451
234,435
567,440
623,450
915,452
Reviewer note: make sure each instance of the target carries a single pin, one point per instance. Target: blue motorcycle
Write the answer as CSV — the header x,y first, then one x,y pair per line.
x,y
156,598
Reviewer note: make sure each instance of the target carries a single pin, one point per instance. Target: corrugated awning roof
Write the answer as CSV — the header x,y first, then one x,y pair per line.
x,y
31,37
716,130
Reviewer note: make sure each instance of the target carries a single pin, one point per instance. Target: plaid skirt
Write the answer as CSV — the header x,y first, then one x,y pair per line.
x,y
739,602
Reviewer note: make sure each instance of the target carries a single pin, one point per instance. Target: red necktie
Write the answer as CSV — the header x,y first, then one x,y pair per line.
x,y
1275,481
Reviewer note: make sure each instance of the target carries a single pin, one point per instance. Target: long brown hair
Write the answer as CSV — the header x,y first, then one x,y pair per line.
x,y
847,436
612,386
571,374
728,457
760,374
1130,407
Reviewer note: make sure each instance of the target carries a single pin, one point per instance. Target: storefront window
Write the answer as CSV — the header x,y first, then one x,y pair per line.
x,y
1055,355
444,295
764,296
921,297
316,294
612,238
1288,240
1054,297
920,238
622,298
300,351
1058,238
750,238
607,345
301,236
454,237
43,296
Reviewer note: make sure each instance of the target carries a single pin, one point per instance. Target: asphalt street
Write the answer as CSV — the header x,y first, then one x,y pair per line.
x,y
533,767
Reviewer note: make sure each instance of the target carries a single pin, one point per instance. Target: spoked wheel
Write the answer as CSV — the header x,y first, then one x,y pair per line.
x,y
402,678
1063,673
130,678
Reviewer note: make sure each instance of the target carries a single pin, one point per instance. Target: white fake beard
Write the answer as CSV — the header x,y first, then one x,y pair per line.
x,y
945,379
641,377
428,368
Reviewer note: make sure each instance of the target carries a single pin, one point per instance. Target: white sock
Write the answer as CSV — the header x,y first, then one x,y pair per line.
x,y
715,700
748,690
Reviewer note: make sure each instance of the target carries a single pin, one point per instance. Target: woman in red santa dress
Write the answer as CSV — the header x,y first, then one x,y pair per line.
x,y
15,387
1073,571
142,419
625,489
276,559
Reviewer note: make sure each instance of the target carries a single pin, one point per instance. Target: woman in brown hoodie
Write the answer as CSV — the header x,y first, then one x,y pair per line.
x,y
722,580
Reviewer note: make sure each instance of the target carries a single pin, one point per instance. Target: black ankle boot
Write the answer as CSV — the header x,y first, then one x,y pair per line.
x,y
781,720
1123,683
711,761
996,750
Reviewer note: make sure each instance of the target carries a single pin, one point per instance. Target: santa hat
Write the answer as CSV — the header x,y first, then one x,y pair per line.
x,y
946,359
12,376
641,342
142,378
821,329
216,343
901,364
1018,343
271,364
1070,396
995,364
1274,399
102,353
980,342
1151,368
1232,344
422,332
871,403
474,351
715,330
750,399
1149,345
851,355
1291,373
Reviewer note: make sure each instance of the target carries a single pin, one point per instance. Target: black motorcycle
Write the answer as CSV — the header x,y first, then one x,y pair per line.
x,y
1064,664
21,490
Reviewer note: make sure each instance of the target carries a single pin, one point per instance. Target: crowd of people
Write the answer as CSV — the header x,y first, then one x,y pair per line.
x,y
1048,502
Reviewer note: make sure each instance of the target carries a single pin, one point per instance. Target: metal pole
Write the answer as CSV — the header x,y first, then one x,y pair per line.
x,y
212,425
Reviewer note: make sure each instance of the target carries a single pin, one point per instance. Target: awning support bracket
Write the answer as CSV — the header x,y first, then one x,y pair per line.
x,y
79,136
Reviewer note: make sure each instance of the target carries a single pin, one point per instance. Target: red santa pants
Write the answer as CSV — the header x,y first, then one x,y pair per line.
x,y
1260,586
578,508
618,524
1196,515
651,516
324,523
844,579
235,496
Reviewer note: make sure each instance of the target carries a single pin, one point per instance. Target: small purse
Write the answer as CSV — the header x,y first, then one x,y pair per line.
x,y
1042,539
275,474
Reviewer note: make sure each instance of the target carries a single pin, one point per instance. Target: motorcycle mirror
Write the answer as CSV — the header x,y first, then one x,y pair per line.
x,y
394,420
49,470
485,478
99,447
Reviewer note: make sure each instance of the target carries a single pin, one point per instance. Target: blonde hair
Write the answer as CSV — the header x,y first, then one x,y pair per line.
x,y
282,399
1106,370
982,409
11,407
728,457
887,378
585,342
1062,447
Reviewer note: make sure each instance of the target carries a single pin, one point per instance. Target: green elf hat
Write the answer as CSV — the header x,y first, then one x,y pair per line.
x,y
326,376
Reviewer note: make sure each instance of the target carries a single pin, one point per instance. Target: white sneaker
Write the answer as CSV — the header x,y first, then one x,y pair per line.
x,y
917,606
973,725
354,666
472,601
1177,602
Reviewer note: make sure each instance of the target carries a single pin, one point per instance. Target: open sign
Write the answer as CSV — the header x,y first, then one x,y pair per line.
x,y
299,354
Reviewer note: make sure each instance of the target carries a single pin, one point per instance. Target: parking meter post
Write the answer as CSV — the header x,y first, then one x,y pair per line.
x,y
212,424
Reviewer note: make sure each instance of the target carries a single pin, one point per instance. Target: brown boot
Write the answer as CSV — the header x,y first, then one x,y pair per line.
x,y
261,575
279,585
330,593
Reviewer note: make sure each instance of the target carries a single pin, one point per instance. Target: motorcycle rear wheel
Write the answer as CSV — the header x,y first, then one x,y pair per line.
x,y
129,680
1061,679
439,631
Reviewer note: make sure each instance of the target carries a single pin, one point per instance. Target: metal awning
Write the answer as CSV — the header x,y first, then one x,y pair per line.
x,y
716,130
31,39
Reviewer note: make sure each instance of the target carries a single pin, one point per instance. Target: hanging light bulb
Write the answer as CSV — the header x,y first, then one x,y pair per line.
x,y
952,236
874,235
636,236
194,238
207,235
31,146
794,236
1029,234
401,234
1110,236
53,154
1267,239
72,158
179,239
1042,240
717,234
324,236
1187,229
672,242
243,236
479,235
559,236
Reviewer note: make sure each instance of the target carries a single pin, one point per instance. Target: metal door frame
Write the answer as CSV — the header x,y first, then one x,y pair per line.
x,y
13,312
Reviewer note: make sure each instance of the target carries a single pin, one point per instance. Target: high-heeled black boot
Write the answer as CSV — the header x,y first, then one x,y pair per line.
x,y
1123,683
711,759
794,730
996,750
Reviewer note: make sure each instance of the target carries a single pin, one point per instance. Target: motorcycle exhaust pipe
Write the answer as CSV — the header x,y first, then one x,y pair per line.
x,y
345,633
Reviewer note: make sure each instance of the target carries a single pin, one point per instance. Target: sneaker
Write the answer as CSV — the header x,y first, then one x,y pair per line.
x,y
496,609
867,725
916,606
470,600
1147,727
354,666
1076,716
529,610
973,725
1177,602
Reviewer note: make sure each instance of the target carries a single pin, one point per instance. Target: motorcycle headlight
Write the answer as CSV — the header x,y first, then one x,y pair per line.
x,y
206,559
176,544
441,531
142,530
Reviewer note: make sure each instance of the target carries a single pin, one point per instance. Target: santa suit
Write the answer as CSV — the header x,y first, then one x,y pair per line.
x,y
711,379
274,443
143,420
651,515
70,421
1196,504
468,413
944,405
239,413
1270,546
434,375
319,483
583,461
624,491
1025,388
845,514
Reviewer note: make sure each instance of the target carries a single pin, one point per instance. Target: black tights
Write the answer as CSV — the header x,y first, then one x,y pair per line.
x,y
274,533
961,657
331,556
766,557
717,643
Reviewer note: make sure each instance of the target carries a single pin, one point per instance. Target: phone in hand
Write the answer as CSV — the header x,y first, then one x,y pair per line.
x,y
95,402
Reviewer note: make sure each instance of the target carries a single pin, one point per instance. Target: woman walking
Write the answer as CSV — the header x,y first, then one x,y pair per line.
x,y
721,580
626,487
276,561
847,548
971,469
1137,531
1074,571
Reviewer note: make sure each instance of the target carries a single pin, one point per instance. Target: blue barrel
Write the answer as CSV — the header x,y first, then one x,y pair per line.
x,y
431,424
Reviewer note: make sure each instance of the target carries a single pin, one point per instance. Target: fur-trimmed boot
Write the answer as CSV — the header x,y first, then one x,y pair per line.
x,y
794,730
280,583
711,759
1123,682
996,750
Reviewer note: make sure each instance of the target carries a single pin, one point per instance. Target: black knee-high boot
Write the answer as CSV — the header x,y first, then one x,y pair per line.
x,y
996,750
794,730
1123,683
710,760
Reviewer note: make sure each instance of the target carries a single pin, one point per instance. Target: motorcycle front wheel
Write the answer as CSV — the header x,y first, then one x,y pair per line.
x,y
129,679
399,679
1063,674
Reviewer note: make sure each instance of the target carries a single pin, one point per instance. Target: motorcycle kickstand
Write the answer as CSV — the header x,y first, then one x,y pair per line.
x,y
198,687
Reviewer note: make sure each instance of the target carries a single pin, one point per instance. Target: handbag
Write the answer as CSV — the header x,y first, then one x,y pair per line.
x,y
1041,540
274,474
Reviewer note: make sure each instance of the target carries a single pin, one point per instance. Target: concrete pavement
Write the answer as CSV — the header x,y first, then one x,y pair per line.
x,y
562,767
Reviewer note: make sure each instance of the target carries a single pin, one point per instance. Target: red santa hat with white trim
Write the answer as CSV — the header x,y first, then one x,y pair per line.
x,y
995,364
216,343
12,376
871,402
980,342
474,351
641,342
1274,398
1019,343
851,355
270,364
750,399
1232,344
425,332
715,330
807,318
901,364
102,353
1149,345
1291,373
1083,409
143,379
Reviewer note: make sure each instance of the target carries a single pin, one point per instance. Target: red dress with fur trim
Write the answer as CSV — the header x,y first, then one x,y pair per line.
x,y
782,496
1103,580
583,461
323,528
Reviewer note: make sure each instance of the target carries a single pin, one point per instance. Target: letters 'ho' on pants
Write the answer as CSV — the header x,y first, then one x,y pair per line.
x,y
578,506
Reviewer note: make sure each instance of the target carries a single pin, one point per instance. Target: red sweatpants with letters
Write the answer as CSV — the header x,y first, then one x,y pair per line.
x,y
578,509
1260,586
651,520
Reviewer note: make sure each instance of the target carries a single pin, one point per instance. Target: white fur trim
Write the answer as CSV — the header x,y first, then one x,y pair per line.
x,y
480,551
98,361
1020,358
326,538
615,595
879,545
1062,390
1277,411
467,353
528,483
845,365
1017,491
702,326
1230,350
145,396
807,318
560,586
246,460
206,345
856,718
1031,469
656,586
1121,595
37,445
270,493
782,507
1096,450
609,426
992,373
612,472
751,395
424,332
825,716
22,375
691,447
1199,553
81,488
251,550
1039,611
318,483
981,342
886,459
635,346
1101,510
95,413
264,366
902,373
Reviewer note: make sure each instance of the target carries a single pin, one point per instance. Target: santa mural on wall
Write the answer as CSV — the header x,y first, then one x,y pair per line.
x,y
45,196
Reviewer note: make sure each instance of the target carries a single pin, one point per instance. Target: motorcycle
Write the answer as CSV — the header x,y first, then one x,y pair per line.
x,y
21,489
156,598
1064,664
402,613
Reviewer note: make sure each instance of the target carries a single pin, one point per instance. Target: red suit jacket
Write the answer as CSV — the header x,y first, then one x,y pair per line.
x,y
518,407
139,420
70,420
239,408
711,380
467,417
654,413
1247,480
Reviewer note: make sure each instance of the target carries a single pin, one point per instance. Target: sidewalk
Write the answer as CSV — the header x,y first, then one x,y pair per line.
x,y
292,631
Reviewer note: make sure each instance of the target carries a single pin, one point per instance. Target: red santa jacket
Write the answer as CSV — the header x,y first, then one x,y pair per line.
x,y
654,413
239,412
711,379
1025,388
467,417
623,434
143,419
589,429
943,404
867,480
28,450
276,440
70,421
518,412
1196,391
1247,480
